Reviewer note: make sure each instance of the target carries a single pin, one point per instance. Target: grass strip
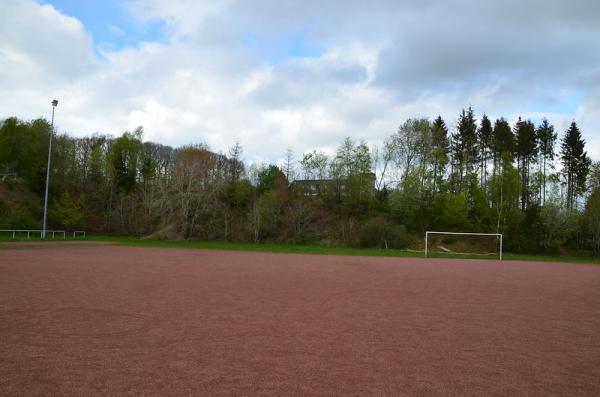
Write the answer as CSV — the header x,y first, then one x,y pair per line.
x,y
308,249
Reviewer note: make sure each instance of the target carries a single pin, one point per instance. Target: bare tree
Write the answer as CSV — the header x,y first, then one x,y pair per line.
x,y
197,178
289,166
236,165
408,145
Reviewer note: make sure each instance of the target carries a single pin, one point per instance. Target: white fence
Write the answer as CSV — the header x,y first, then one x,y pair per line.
x,y
16,232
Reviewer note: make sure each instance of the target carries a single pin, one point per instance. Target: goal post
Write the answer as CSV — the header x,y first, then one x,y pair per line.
x,y
498,236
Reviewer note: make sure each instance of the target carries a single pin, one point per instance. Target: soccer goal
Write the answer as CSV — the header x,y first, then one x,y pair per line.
x,y
497,241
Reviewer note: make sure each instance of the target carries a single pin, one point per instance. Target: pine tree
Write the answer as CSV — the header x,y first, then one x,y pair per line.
x,y
526,151
440,134
503,143
465,144
484,137
547,139
440,148
576,163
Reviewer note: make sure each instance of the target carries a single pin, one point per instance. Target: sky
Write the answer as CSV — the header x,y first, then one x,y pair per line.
x,y
303,75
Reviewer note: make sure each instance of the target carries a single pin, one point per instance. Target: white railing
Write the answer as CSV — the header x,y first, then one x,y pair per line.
x,y
78,233
29,232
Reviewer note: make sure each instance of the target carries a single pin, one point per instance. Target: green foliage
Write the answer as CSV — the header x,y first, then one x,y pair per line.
x,y
24,150
591,221
125,155
503,141
504,192
314,165
405,202
239,195
456,212
271,178
439,135
480,215
547,139
66,212
465,142
434,179
576,163
553,227
526,151
379,232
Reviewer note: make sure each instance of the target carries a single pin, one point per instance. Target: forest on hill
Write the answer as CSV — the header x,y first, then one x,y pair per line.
x,y
539,189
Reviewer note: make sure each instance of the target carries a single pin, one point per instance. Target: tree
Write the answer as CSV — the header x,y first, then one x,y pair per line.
x,y
465,145
594,177
105,184
289,166
269,204
125,155
576,164
382,159
195,190
271,178
351,160
24,150
526,151
314,165
406,204
547,139
408,145
236,166
503,144
591,219
505,190
66,211
553,225
484,138
439,152
456,212
353,181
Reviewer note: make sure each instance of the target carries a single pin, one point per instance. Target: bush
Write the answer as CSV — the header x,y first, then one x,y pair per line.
x,y
381,233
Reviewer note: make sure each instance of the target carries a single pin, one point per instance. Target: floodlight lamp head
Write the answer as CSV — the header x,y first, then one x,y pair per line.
x,y
55,102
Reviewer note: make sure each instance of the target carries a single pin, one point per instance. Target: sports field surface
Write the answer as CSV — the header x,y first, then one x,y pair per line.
x,y
101,319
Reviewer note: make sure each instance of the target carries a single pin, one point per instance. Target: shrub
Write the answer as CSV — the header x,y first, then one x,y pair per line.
x,y
380,233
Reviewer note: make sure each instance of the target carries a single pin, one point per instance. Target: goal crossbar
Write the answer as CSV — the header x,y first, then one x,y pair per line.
x,y
498,235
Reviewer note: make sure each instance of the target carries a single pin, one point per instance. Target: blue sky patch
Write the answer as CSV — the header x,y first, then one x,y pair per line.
x,y
109,22
293,45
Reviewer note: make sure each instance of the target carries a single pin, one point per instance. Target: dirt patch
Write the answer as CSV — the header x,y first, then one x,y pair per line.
x,y
91,319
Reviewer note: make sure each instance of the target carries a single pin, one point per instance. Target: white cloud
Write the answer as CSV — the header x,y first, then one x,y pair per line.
x,y
378,64
38,45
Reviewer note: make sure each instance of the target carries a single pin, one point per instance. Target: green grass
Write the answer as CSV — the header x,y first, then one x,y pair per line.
x,y
263,247
312,249
321,250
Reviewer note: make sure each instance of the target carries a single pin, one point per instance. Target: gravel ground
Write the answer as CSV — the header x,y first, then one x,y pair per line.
x,y
113,320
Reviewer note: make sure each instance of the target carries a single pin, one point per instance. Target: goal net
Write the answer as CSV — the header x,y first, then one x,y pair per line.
x,y
448,243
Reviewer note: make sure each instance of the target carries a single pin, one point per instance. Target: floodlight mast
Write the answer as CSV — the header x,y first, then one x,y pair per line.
x,y
54,104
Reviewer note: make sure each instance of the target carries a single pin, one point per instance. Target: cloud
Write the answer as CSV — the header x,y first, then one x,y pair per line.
x,y
313,72
520,51
39,43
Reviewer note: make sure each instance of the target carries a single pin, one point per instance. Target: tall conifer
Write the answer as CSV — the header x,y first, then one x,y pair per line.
x,y
576,163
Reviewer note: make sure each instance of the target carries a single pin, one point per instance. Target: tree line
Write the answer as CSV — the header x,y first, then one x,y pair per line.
x,y
522,180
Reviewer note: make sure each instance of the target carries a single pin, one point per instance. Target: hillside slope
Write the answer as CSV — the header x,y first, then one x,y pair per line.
x,y
19,207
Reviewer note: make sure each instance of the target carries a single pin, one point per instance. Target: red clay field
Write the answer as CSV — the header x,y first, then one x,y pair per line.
x,y
112,320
